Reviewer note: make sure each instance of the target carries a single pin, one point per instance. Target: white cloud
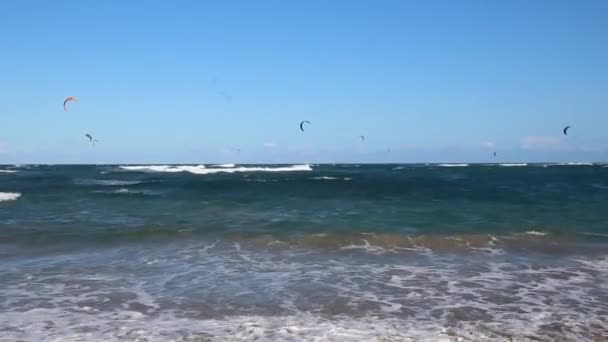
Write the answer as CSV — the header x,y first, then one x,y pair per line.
x,y
540,142
488,144
270,145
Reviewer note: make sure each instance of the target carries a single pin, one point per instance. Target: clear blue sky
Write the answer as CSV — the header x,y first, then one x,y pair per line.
x,y
188,81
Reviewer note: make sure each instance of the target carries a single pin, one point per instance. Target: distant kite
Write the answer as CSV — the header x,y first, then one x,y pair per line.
x,y
226,95
65,102
90,137
362,137
494,154
302,124
566,130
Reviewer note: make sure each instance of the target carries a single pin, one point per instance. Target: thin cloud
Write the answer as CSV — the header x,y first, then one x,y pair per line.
x,y
488,144
540,143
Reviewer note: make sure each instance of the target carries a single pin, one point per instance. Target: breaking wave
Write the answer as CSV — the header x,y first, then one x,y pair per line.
x,y
9,196
513,164
453,165
202,170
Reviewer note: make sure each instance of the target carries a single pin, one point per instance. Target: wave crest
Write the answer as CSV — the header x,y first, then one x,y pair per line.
x,y
202,170
453,165
105,182
9,196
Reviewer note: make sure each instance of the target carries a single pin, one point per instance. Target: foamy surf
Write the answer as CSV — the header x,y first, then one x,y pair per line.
x,y
8,171
300,295
224,165
9,196
202,170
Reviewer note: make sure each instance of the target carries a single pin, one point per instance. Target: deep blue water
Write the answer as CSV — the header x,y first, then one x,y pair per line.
x,y
295,252
403,199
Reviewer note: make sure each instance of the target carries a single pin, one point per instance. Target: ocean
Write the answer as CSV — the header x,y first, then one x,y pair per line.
x,y
420,252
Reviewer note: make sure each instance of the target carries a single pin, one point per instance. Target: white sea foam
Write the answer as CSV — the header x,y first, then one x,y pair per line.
x,y
393,302
571,164
513,164
127,325
159,168
125,191
534,232
9,196
331,178
8,171
105,182
453,165
224,165
178,292
202,170
579,164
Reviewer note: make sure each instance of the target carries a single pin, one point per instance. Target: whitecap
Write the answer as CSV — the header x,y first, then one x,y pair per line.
x,y
331,178
572,164
202,170
224,165
513,164
125,191
453,165
159,168
8,171
534,232
9,196
105,182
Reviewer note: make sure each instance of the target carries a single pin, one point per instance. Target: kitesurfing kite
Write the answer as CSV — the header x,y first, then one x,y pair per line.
x,y
566,130
362,137
225,95
494,154
90,137
302,124
65,102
